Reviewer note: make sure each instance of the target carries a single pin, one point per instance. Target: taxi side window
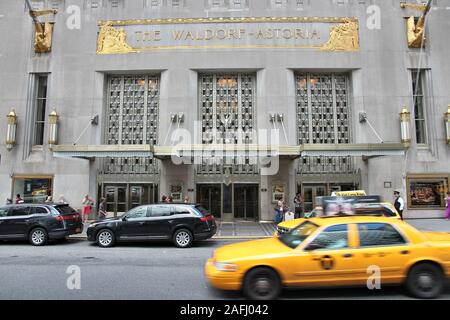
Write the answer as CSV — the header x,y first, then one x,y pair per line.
x,y
378,234
334,237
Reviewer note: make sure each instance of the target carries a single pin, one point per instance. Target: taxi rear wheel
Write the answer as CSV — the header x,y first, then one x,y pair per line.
x,y
425,281
262,284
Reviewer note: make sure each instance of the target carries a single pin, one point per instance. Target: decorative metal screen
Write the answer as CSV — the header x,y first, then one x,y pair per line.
x,y
323,117
132,118
227,104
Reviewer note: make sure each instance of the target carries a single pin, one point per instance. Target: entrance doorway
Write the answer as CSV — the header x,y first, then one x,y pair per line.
x,y
229,202
309,195
122,197
246,202
210,197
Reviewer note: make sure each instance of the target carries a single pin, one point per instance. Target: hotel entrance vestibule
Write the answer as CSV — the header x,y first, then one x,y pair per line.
x,y
236,201
122,197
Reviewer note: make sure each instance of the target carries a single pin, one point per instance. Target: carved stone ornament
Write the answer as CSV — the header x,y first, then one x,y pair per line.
x,y
343,37
415,32
112,40
43,37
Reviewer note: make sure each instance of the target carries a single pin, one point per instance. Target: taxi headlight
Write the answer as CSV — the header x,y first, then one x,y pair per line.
x,y
228,267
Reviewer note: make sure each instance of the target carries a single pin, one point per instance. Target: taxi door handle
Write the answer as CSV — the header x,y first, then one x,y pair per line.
x,y
347,255
404,252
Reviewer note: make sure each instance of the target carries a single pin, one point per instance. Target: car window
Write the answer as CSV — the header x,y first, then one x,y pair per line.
x,y
38,210
297,235
202,210
3,212
19,211
180,210
137,213
65,209
160,211
378,234
334,237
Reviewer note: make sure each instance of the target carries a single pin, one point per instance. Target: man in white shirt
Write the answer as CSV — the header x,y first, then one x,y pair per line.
x,y
399,203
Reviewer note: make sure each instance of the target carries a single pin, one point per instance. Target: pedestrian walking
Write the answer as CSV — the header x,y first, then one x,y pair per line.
x,y
169,199
298,206
399,203
447,206
87,207
18,199
164,199
279,211
102,209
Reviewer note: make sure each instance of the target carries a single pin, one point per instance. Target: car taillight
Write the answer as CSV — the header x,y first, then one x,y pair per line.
x,y
207,218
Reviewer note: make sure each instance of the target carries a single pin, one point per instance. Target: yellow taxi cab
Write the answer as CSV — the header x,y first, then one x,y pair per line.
x,y
335,251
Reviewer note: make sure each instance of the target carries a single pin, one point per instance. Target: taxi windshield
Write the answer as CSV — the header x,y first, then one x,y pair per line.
x,y
297,235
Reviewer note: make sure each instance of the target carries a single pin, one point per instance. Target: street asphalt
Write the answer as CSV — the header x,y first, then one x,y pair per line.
x,y
156,271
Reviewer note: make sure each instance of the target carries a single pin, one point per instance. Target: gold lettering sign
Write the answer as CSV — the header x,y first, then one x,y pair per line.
x,y
324,34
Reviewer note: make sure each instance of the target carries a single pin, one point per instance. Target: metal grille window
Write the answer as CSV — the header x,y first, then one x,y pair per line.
x,y
418,79
132,118
323,118
227,104
39,114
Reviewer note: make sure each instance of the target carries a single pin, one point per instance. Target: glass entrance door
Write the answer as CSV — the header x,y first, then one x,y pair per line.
x,y
310,193
121,198
116,200
209,196
246,201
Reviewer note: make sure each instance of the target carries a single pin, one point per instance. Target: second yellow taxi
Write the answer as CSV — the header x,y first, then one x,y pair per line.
x,y
335,251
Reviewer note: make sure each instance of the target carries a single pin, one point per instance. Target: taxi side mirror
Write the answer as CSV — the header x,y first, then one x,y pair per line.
x,y
313,246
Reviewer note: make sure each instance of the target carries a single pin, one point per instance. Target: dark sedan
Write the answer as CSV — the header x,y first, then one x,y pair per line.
x,y
180,223
38,223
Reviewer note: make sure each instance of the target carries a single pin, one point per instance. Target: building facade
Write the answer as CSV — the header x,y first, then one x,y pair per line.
x,y
182,97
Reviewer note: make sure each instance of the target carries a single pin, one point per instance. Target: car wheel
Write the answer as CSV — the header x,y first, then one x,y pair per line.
x,y
38,237
425,281
262,284
183,238
105,238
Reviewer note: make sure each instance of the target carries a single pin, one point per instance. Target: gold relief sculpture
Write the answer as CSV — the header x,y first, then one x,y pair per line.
x,y
43,37
415,32
343,37
415,6
112,40
43,31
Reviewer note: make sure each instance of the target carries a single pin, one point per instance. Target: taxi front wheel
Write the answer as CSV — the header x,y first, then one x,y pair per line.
x,y
262,284
425,281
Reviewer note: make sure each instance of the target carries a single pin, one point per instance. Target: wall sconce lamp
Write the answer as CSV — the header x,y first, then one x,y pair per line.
x,y
11,131
177,117
53,128
447,124
405,129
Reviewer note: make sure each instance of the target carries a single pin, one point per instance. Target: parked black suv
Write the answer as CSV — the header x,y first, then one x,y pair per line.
x,y
38,223
181,223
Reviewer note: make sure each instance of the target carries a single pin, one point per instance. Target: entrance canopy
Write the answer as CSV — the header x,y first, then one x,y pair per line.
x,y
365,150
102,151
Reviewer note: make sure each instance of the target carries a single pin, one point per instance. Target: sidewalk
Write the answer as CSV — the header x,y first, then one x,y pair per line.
x,y
225,230
255,230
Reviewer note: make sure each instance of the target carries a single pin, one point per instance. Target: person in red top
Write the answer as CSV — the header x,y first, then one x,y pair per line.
x,y
87,207
18,199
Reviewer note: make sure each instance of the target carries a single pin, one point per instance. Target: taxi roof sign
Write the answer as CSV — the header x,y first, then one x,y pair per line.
x,y
352,193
